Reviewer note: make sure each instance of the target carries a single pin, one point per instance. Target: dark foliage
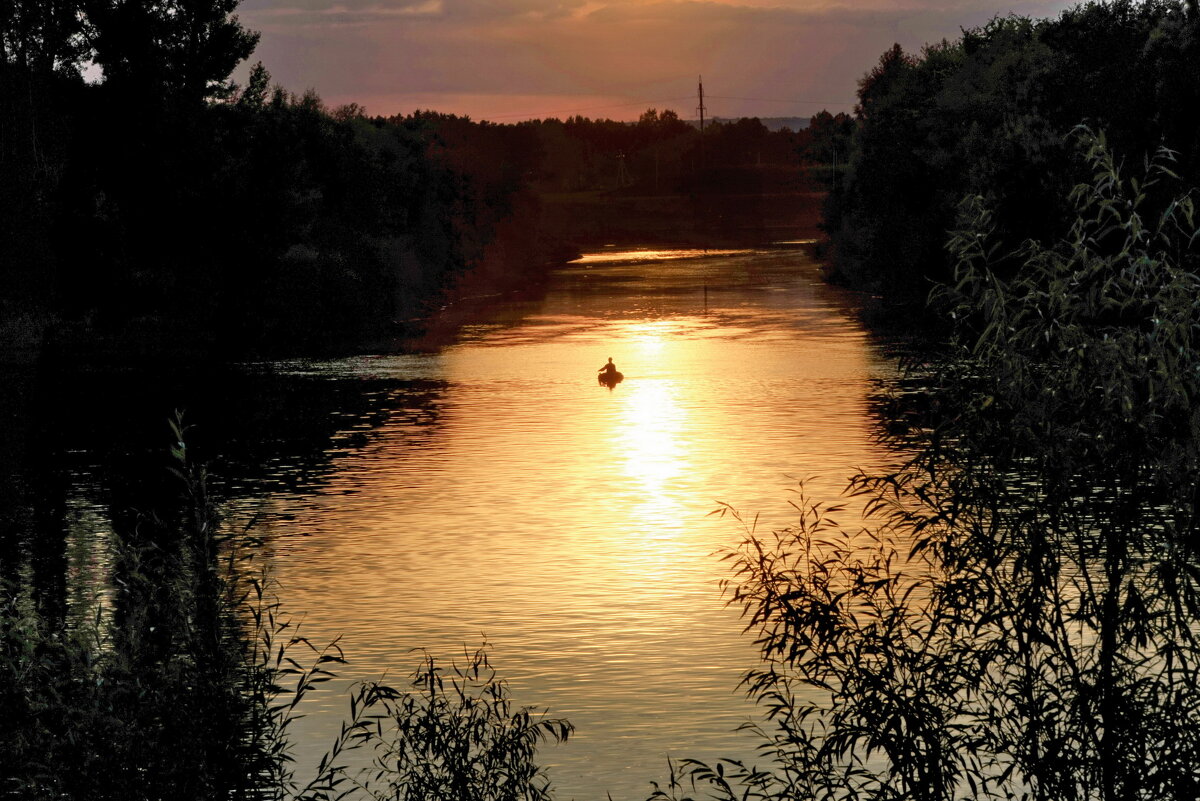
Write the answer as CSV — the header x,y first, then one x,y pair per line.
x,y
174,674
989,114
659,154
1017,618
103,702
164,209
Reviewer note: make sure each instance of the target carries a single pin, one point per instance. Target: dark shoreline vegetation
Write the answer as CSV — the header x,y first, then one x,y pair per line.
x,y
991,114
182,678
1019,619
167,212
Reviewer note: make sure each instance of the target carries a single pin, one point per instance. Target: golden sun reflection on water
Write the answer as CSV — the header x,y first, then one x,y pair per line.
x,y
644,255
649,429
508,493
652,457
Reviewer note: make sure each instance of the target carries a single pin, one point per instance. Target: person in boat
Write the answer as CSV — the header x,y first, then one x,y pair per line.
x,y
609,370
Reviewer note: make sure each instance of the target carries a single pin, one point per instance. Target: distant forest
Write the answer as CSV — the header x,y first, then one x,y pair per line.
x,y
165,210
991,114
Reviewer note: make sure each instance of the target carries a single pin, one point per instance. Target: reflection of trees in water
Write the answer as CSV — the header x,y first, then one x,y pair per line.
x,y
149,699
69,479
188,686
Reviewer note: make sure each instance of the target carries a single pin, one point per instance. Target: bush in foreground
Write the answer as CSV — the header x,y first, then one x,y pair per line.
x,y
1019,620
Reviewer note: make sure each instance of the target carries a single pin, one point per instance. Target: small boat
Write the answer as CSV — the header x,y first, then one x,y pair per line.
x,y
610,378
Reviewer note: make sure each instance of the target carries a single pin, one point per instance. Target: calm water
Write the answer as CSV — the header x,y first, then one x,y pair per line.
x,y
493,489
507,495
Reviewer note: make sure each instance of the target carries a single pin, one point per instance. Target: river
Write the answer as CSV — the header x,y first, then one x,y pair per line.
x,y
493,489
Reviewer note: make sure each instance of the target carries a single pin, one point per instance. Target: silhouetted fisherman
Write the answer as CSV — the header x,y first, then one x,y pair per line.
x,y
608,375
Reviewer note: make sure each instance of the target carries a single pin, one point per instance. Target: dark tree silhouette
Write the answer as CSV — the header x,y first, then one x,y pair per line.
x,y
989,114
184,50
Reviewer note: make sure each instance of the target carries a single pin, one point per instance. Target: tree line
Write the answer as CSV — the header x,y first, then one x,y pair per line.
x,y
989,114
659,154
148,199
164,203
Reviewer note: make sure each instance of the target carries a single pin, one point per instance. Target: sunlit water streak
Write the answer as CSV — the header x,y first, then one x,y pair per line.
x,y
509,495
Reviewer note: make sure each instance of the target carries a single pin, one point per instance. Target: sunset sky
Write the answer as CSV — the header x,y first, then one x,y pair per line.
x,y
507,60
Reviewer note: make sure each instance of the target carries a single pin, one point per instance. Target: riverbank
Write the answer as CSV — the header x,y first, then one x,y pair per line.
x,y
525,249
770,205
518,259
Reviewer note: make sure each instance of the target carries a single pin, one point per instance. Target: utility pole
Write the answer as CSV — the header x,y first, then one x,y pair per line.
x,y
699,168
622,175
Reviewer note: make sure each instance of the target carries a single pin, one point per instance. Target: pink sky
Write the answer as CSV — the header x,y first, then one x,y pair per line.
x,y
507,60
